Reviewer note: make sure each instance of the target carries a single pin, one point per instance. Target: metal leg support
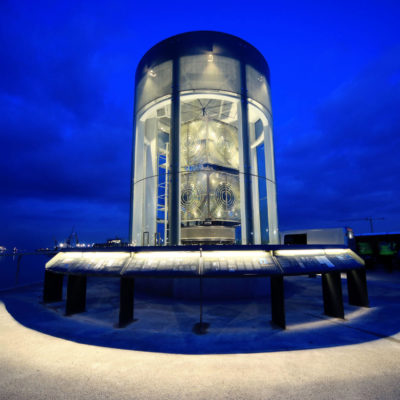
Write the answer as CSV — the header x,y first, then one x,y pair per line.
x,y
278,301
76,294
357,287
126,301
200,328
53,286
332,294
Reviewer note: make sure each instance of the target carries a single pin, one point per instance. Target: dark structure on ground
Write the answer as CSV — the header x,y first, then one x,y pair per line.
x,y
271,261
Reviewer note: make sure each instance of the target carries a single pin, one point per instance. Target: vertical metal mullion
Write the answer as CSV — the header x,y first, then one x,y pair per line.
x,y
246,155
166,196
208,196
132,172
174,203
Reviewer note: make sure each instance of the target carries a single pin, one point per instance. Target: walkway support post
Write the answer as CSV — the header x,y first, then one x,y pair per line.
x,y
53,287
278,301
332,294
357,287
76,294
126,301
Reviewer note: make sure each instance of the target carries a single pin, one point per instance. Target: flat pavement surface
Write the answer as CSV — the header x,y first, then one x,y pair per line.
x,y
46,355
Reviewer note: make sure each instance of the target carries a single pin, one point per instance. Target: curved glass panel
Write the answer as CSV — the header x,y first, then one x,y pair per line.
x,y
150,214
208,71
265,220
156,83
225,190
257,87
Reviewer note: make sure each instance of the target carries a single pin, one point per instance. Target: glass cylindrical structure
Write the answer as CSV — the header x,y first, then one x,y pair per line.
x,y
203,160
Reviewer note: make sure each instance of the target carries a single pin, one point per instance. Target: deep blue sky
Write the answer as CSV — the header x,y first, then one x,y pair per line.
x,y
66,99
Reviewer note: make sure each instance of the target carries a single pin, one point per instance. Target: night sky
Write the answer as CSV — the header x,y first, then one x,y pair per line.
x,y
66,100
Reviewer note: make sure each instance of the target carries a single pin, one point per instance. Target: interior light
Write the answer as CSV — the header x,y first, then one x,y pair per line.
x,y
152,73
210,58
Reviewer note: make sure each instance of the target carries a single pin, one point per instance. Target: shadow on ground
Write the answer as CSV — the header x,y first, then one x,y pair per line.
x,y
241,326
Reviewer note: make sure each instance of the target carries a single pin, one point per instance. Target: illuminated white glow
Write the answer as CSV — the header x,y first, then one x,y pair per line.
x,y
336,251
257,111
152,73
206,254
210,58
327,321
258,141
165,254
101,254
189,95
100,258
310,252
54,260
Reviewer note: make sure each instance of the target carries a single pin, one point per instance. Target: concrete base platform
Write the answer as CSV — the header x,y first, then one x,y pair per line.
x,y
46,355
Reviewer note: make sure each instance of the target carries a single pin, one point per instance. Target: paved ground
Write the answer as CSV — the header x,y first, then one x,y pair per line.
x,y
45,355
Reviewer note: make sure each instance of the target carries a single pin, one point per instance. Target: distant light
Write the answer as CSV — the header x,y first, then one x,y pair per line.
x,y
152,73
210,58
